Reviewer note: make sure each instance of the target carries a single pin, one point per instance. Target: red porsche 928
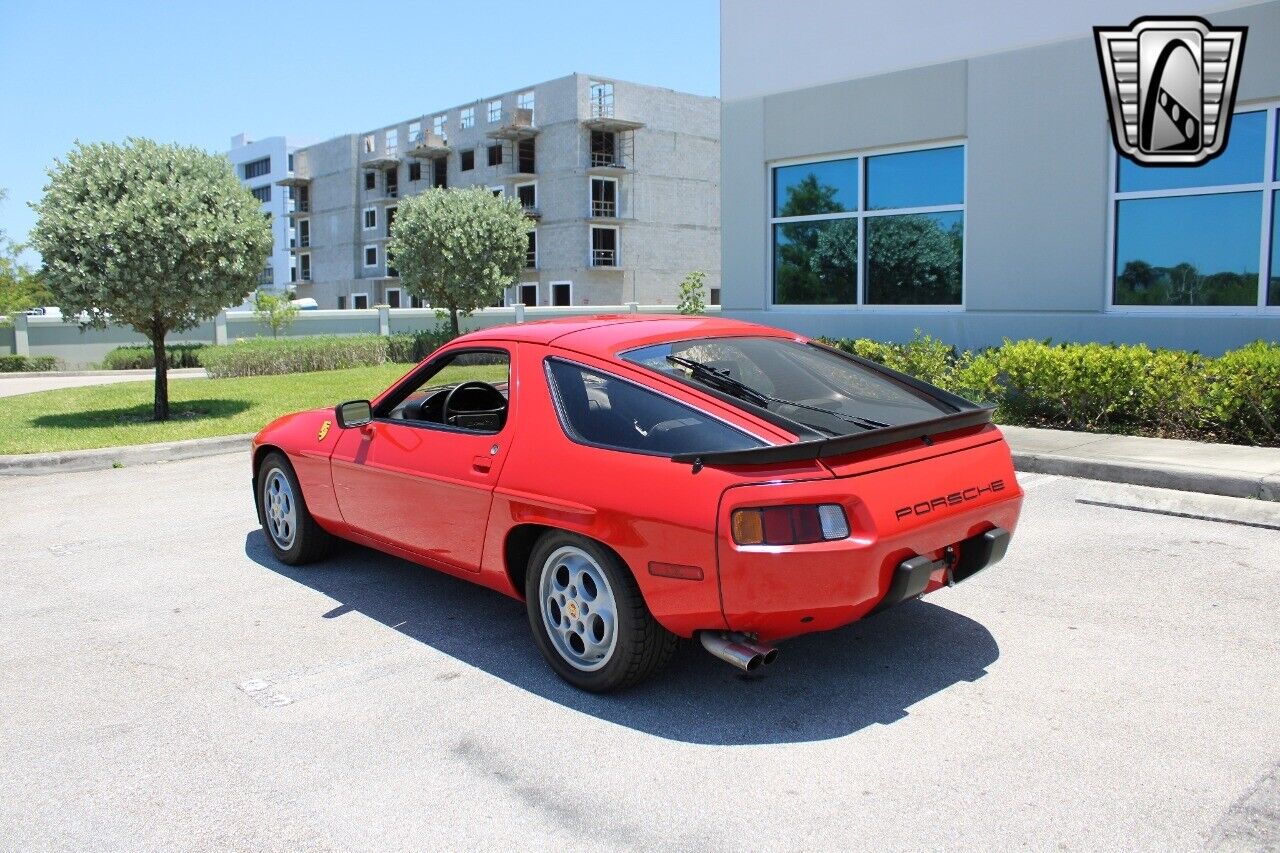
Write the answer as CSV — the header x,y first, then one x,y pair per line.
x,y
638,479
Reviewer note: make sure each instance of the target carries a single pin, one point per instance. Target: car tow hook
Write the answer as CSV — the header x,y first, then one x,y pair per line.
x,y
738,649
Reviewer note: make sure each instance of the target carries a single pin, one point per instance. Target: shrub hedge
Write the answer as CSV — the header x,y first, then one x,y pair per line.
x,y
411,348
140,357
27,363
271,356
1115,388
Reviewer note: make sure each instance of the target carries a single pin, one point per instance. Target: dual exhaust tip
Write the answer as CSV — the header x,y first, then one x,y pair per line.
x,y
738,650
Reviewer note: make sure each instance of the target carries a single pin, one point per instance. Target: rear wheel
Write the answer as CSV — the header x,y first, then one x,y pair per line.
x,y
292,534
588,616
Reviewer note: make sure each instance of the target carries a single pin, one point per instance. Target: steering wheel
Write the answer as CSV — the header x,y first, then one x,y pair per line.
x,y
472,385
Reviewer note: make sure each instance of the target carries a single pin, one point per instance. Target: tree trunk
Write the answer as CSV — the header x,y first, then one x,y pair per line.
x,y
453,320
161,412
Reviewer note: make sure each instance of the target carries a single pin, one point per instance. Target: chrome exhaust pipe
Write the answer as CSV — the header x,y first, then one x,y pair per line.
x,y
768,654
743,657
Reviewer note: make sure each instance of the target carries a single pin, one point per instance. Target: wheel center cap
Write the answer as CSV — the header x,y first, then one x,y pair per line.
x,y
572,609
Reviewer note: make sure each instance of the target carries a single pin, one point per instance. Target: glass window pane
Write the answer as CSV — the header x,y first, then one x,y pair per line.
x,y
915,259
1273,290
596,408
1241,162
810,188
1188,250
816,263
916,179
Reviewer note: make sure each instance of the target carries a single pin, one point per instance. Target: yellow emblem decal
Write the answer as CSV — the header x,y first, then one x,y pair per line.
x,y
324,430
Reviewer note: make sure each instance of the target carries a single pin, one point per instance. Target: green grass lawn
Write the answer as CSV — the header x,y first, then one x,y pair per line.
x,y
116,415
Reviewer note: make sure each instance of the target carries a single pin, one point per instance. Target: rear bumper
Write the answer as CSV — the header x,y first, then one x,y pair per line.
x,y
912,576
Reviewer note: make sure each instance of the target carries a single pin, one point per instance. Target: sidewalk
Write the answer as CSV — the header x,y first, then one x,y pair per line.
x,y
1191,466
13,384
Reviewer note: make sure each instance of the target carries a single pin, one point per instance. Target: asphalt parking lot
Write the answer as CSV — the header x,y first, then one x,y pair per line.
x,y
1112,684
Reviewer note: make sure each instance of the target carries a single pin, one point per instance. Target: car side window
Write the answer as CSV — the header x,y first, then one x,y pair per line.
x,y
596,408
464,390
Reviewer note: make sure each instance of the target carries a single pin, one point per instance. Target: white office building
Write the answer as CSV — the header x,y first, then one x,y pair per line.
x,y
259,164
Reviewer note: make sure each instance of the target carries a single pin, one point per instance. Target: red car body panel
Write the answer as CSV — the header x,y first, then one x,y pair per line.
x,y
452,500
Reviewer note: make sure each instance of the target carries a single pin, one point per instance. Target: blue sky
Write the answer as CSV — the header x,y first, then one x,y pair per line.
x,y
197,73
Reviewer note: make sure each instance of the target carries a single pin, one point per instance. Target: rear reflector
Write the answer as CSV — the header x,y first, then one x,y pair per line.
x,y
675,570
789,525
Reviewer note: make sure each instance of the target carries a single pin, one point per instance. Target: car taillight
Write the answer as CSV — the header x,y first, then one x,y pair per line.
x,y
789,525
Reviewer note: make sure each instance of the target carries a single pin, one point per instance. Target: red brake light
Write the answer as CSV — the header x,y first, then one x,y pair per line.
x,y
789,525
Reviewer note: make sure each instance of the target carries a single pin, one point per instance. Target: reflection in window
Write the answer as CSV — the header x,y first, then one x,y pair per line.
x,y
1273,290
915,259
816,263
813,188
916,179
1241,162
1188,250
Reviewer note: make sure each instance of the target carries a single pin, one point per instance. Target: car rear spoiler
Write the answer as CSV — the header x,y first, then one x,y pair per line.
x,y
825,448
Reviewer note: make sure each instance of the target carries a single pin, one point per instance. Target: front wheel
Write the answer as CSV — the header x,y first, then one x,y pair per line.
x,y
292,534
588,617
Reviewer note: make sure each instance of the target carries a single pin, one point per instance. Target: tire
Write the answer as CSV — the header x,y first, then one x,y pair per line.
x,y
568,577
291,533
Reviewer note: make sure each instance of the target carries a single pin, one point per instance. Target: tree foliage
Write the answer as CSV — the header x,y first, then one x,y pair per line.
x,y
276,311
21,287
459,249
692,300
157,237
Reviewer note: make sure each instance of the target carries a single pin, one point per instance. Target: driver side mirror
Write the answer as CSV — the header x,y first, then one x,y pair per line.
x,y
353,414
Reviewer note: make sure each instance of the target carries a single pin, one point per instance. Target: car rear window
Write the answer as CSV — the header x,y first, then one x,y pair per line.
x,y
809,385
600,409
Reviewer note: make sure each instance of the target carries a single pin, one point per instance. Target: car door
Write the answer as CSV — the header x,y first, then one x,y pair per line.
x,y
425,487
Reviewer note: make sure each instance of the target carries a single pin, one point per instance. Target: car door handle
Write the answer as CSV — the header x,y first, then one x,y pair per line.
x,y
482,463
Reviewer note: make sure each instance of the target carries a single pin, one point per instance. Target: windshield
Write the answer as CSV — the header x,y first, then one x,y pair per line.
x,y
815,388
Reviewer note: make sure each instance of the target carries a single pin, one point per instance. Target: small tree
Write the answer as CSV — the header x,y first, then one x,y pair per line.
x,y
459,248
21,287
691,298
157,237
274,310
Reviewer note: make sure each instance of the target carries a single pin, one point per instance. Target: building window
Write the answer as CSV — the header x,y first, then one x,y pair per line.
x,y
370,218
604,198
528,195
392,140
304,267
525,160
561,293
466,160
524,101
370,256
416,302
262,194
601,95
290,162
531,251
714,298
467,118
886,229
368,143
440,173
497,191
391,219
438,125
304,233
267,277
258,168
495,111
1199,237
293,272
604,148
342,303
415,132
370,180
359,300
495,155
393,297
529,294
415,171
604,247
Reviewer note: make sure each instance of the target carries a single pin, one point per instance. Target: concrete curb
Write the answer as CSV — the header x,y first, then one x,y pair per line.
x,y
35,464
175,373
1150,474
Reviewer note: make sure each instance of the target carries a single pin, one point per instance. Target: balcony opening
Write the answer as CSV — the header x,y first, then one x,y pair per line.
x,y
604,198
561,293
301,198
304,233
601,95
525,160
304,267
529,294
440,173
604,247
495,155
528,195
604,148
391,218
393,183
415,171
370,180
531,252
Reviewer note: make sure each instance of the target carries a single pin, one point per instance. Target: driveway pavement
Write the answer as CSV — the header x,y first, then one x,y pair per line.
x,y
11,386
167,685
